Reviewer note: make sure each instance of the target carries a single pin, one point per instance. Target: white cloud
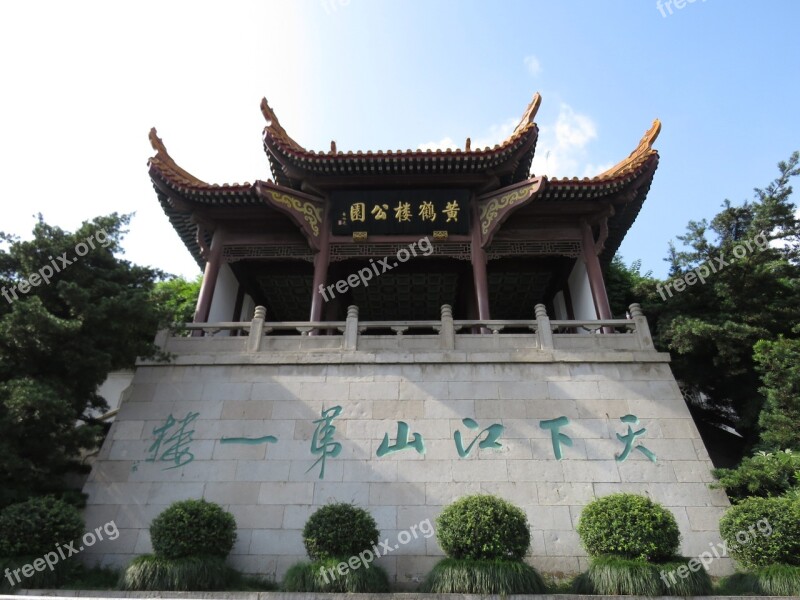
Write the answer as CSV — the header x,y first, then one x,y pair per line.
x,y
592,169
561,150
442,144
496,134
533,65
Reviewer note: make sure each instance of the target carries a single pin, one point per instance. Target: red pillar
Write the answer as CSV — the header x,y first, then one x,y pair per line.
x,y
479,274
213,264
595,274
321,262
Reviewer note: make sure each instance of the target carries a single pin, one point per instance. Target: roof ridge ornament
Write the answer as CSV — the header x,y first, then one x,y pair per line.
x,y
156,142
529,115
640,153
276,129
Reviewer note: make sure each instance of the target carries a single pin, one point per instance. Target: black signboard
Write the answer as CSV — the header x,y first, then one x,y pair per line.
x,y
400,212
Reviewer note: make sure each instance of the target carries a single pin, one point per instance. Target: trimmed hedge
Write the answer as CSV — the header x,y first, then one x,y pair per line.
x,y
761,532
483,527
339,530
36,526
629,526
193,528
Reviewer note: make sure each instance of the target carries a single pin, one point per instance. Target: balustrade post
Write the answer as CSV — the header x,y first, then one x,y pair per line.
x,y
351,328
256,329
162,335
447,334
543,329
642,327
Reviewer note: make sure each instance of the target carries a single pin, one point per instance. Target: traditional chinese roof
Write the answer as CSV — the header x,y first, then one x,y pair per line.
x,y
183,196
292,164
622,187
625,186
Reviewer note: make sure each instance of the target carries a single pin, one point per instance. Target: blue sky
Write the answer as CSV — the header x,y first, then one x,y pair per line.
x,y
84,81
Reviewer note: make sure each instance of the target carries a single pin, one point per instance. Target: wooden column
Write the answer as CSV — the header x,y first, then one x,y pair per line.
x,y
479,274
213,264
321,262
595,273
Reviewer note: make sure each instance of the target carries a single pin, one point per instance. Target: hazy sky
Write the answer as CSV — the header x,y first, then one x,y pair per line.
x,y
83,82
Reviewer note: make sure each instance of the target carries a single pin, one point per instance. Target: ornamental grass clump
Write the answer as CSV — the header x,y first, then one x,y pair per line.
x,y
485,539
339,538
633,544
191,540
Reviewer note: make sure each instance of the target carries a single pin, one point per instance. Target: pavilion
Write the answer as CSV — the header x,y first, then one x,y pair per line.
x,y
503,239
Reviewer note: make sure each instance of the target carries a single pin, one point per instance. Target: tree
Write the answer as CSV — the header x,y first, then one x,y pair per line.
x,y
71,312
752,293
626,285
779,363
178,297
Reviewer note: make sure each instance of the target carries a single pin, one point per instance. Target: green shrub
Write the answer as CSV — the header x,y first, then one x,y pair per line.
x,y
35,526
484,576
148,573
612,576
339,530
777,580
629,526
483,527
39,580
764,475
193,528
768,532
316,577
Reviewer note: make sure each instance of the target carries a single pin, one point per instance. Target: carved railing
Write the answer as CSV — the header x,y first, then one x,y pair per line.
x,y
549,334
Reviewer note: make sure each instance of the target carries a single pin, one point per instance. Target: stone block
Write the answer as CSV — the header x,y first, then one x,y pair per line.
x,y
423,390
246,409
573,390
473,390
425,471
277,541
395,410
233,492
523,390
565,494
280,492
377,390
563,543
705,518
353,493
475,470
449,409
439,494
535,470
396,494
591,471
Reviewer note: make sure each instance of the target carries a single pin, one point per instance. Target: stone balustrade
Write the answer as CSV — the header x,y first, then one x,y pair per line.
x,y
542,333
